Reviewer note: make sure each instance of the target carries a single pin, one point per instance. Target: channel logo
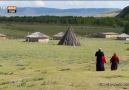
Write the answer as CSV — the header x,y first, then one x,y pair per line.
x,y
11,9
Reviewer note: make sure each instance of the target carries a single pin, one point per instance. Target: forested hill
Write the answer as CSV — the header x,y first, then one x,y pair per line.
x,y
38,11
124,13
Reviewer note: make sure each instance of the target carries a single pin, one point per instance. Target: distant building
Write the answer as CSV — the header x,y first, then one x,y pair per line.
x,y
37,37
2,36
108,35
58,36
69,38
123,36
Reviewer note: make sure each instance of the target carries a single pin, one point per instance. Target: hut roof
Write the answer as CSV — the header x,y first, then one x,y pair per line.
x,y
109,33
37,35
123,35
69,38
60,34
2,34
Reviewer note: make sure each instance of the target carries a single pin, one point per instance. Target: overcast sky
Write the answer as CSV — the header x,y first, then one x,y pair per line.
x,y
66,4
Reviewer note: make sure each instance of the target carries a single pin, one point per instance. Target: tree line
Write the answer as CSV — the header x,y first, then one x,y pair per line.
x,y
105,21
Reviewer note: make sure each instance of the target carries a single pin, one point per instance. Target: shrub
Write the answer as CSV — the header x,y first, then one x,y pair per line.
x,y
6,73
64,69
30,85
1,65
38,79
21,68
21,84
48,82
127,49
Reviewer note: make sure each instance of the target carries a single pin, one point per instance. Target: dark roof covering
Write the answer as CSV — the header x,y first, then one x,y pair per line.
x,y
69,38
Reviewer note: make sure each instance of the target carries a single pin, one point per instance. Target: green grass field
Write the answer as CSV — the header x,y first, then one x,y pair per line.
x,y
13,30
38,66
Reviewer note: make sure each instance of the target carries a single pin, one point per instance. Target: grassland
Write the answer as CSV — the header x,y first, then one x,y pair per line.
x,y
38,66
13,30
107,14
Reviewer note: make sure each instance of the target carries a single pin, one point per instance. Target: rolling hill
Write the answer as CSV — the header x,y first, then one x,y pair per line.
x,y
38,11
124,13
107,14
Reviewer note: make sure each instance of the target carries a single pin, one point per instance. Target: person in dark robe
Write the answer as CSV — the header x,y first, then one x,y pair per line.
x,y
99,62
114,62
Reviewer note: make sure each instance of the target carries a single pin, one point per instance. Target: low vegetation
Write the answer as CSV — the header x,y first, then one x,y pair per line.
x,y
32,66
38,66
20,30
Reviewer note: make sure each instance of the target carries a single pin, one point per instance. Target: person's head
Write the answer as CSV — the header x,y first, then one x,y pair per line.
x,y
114,54
100,49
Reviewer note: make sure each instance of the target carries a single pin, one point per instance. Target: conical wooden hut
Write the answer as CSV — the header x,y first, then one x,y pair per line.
x,y
37,37
69,38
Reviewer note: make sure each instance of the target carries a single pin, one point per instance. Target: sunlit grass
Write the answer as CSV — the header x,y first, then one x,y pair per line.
x,y
33,65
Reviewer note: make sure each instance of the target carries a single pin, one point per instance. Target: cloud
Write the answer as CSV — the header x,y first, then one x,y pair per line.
x,y
97,4
39,3
65,4
120,4
75,2
22,3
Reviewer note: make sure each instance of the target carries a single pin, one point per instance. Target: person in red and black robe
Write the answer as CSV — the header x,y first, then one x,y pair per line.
x,y
99,62
104,61
114,62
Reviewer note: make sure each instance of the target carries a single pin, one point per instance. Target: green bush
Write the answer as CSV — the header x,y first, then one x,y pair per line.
x,y
6,73
38,78
21,84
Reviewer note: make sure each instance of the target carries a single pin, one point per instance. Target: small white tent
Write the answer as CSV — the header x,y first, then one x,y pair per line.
x,y
58,36
123,36
37,37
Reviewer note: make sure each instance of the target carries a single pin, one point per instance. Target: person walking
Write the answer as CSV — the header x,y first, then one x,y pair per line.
x,y
99,61
104,61
114,62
